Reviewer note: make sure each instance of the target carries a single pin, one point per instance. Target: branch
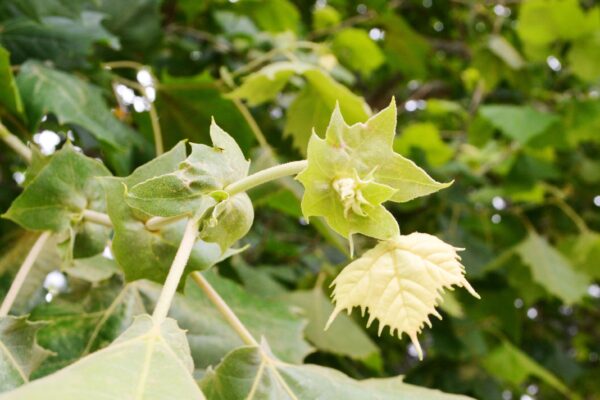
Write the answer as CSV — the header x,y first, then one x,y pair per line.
x,y
176,271
15,143
17,283
97,217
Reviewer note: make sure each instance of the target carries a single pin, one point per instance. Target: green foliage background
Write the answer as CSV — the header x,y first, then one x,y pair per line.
x,y
501,97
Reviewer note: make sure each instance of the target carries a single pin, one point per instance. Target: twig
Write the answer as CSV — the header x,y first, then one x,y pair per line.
x,y
224,309
15,143
17,283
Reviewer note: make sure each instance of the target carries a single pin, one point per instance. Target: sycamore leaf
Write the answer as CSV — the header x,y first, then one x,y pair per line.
x,y
143,254
400,282
552,270
253,373
354,170
198,182
147,361
81,322
20,354
209,334
512,365
357,50
76,102
55,199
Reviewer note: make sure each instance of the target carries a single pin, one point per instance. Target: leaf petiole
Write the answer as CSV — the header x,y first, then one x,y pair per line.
x,y
266,175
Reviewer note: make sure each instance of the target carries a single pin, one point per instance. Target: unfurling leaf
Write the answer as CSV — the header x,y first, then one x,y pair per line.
x,y
354,170
400,282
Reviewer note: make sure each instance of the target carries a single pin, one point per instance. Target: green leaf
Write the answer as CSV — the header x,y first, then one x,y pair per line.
x,y
521,123
203,175
9,94
146,361
93,269
139,28
210,335
425,136
312,106
20,354
355,49
584,252
542,22
510,364
552,270
274,15
66,41
73,101
85,320
143,254
584,58
267,83
354,170
32,291
252,373
186,107
343,337
405,49
55,199
325,17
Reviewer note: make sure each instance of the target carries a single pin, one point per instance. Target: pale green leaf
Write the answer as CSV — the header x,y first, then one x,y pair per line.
x,y
20,354
343,337
505,50
315,103
584,58
355,49
425,136
85,320
552,270
147,361
521,123
251,373
512,365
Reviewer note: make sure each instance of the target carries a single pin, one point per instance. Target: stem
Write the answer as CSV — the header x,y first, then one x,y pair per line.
x,y
22,274
97,217
176,271
158,141
224,309
15,143
266,175
155,223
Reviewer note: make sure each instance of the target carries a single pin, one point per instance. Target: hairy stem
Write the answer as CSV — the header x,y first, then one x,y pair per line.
x,y
15,287
15,143
224,309
176,271
266,175
97,217
156,223
158,141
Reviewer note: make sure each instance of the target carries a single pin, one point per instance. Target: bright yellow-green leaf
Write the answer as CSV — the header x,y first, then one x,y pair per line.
x,y
425,136
400,282
354,170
